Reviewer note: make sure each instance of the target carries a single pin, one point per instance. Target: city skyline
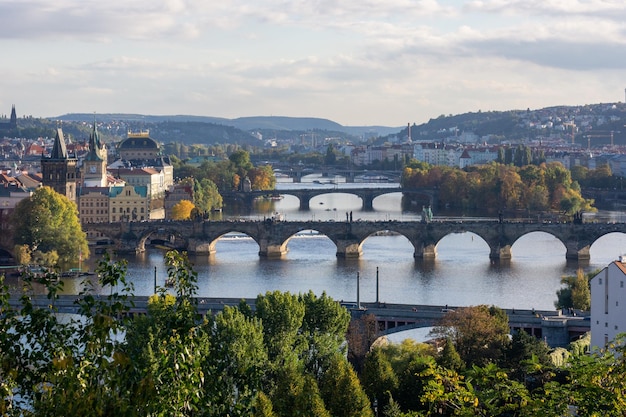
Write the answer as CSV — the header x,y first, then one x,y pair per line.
x,y
356,63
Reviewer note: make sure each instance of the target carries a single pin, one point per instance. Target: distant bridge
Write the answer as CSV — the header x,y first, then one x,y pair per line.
x,y
200,237
305,195
297,172
551,326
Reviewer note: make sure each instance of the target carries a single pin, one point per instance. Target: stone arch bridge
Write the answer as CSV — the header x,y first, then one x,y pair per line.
x,y
305,195
200,237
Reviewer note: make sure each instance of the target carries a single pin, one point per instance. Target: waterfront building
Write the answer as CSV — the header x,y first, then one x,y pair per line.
x,y
608,303
131,203
93,205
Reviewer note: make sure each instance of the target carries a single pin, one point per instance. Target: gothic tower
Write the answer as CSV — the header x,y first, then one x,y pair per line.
x,y
13,119
59,170
94,169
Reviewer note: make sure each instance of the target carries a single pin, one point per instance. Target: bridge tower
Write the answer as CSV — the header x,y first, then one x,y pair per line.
x,y
59,170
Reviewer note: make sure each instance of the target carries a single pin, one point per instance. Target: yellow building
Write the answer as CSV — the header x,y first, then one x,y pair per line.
x,y
129,203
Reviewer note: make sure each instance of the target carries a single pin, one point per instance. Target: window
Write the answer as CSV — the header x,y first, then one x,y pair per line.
x,y
600,281
621,284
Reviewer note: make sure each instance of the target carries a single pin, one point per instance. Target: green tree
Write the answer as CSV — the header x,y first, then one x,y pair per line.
x,y
576,292
597,380
342,392
281,315
48,223
324,327
236,365
378,376
206,195
450,358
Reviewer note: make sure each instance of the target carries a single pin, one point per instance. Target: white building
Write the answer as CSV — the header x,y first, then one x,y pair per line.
x,y
608,303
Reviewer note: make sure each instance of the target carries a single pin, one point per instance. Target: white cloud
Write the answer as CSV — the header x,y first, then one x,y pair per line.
x,y
344,59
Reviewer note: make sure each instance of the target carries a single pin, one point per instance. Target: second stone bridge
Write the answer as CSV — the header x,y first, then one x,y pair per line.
x,y
200,237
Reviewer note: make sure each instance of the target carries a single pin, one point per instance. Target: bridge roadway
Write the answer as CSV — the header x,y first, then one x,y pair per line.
x,y
200,237
305,195
554,328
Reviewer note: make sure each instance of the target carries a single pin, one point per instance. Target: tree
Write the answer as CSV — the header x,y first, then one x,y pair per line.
x,y
324,326
341,391
378,377
450,358
48,224
330,157
182,210
597,381
206,195
576,292
282,315
262,178
480,333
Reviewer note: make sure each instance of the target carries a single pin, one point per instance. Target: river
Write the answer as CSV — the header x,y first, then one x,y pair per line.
x,y
462,274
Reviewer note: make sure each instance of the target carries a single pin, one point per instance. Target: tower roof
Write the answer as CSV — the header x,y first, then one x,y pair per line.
x,y
59,150
97,150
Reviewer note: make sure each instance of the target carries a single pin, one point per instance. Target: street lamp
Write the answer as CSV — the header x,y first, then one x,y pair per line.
x,y
358,296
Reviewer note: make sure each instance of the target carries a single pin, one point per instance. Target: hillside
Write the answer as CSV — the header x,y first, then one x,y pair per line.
x,y
595,120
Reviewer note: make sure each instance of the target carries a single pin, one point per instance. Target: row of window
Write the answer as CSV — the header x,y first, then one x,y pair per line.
x,y
621,283
122,210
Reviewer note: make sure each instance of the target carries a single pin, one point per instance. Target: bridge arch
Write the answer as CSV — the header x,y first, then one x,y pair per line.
x,y
386,232
311,233
537,236
163,235
209,246
469,242
617,239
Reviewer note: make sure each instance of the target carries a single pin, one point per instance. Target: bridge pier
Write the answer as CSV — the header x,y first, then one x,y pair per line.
x,y
428,252
197,247
368,203
576,254
500,252
272,251
305,203
349,250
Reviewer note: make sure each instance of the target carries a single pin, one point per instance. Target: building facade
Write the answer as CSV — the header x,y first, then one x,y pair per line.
x,y
608,303
93,205
129,203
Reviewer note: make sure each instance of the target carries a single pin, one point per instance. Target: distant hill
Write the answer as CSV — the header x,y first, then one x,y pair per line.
x,y
247,124
491,125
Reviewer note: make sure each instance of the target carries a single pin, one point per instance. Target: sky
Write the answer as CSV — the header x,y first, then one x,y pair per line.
x,y
356,62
